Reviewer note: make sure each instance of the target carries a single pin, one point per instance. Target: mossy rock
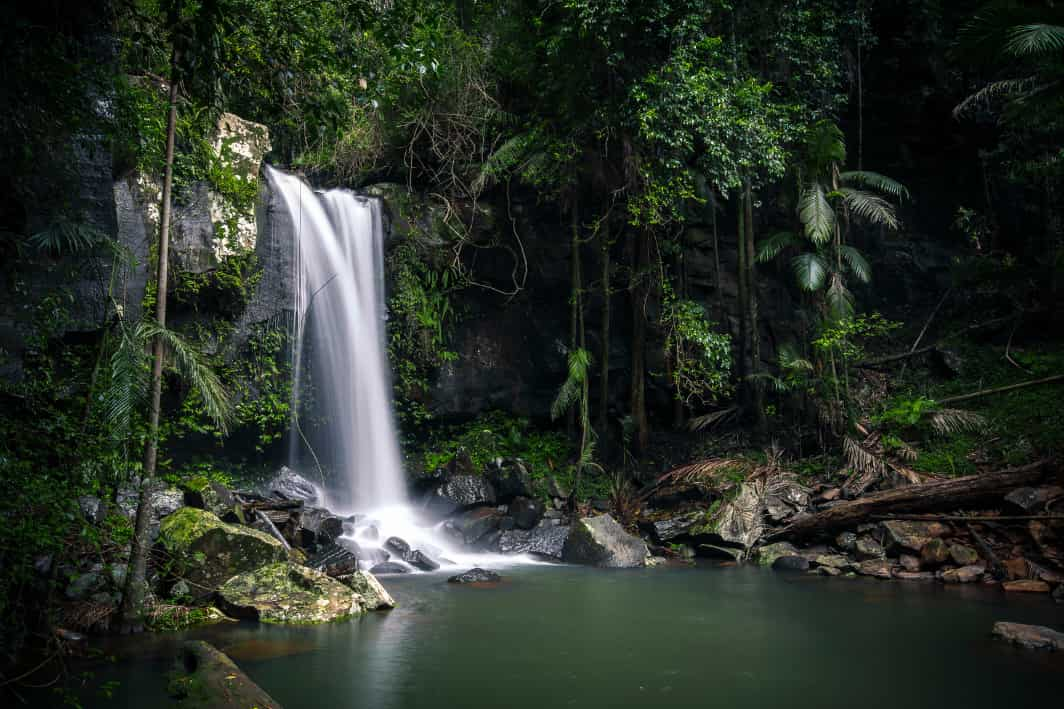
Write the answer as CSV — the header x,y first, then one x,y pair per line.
x,y
206,551
374,595
288,593
767,555
205,677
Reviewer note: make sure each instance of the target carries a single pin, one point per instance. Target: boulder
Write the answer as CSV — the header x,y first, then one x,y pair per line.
x,y
964,574
374,596
670,528
320,527
164,502
470,526
914,575
1031,500
203,676
846,541
790,563
212,496
1058,593
1026,586
421,560
389,567
963,555
828,571
288,593
545,539
556,490
290,485
526,512
206,551
868,548
460,492
476,575
510,478
934,554
880,568
601,541
907,536
833,561
334,560
397,545
1032,637
768,554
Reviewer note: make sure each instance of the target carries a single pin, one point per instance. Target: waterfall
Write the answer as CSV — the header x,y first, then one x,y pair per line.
x,y
339,318
339,340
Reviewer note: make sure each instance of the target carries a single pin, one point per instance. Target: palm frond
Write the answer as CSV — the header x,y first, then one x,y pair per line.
x,y
1034,39
771,247
870,207
861,459
127,389
66,236
810,270
506,159
825,145
947,422
839,298
572,388
995,89
856,261
701,423
192,367
705,471
874,181
816,214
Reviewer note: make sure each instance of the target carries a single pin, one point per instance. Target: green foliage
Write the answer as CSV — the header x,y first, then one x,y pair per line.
x,y
906,412
699,356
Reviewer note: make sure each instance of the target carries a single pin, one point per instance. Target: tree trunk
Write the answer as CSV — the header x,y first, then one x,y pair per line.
x,y
945,494
639,336
574,300
131,611
757,404
604,354
721,315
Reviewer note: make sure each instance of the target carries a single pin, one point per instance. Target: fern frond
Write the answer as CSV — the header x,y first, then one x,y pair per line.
x,y
192,367
860,459
993,90
816,214
1034,39
127,390
701,423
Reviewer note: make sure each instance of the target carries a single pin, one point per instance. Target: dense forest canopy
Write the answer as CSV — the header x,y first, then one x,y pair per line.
x,y
860,179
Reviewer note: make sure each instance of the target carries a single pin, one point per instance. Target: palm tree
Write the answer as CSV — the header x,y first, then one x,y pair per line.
x,y
831,200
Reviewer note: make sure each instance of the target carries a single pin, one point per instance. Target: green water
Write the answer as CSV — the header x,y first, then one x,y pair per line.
x,y
672,637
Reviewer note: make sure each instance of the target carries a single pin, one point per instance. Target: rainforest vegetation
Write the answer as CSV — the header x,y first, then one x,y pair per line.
x,y
824,237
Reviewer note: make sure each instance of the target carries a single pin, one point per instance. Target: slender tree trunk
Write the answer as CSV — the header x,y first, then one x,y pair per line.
x,y
639,336
744,346
574,300
132,608
716,263
756,398
672,362
604,355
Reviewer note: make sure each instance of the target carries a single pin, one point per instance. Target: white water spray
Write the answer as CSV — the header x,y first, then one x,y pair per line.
x,y
340,313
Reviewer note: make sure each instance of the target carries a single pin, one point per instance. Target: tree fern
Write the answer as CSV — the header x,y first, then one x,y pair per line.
x,y
571,390
870,207
816,214
771,247
1035,39
839,299
856,262
810,270
874,181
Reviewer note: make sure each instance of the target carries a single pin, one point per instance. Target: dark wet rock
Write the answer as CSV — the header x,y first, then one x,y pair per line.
x,y
834,561
868,548
790,563
556,490
670,528
879,568
91,508
828,571
203,676
1058,593
476,575
507,523
601,541
397,546
1032,500
914,575
87,583
963,555
335,560
288,593
1032,637
964,574
421,560
909,562
510,478
374,596
460,492
526,512
768,554
290,485
325,527
786,500
369,533
471,526
206,551
211,496
1026,586
934,554
389,567
846,541
545,539
909,536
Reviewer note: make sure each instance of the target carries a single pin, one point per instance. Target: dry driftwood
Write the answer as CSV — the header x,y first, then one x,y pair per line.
x,y
943,494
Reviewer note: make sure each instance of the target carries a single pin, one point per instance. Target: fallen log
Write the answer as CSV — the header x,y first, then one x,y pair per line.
x,y
942,494
1001,390
887,359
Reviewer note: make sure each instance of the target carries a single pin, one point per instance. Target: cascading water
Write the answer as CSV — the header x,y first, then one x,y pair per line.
x,y
339,321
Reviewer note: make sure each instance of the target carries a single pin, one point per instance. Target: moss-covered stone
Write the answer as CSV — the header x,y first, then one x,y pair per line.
x,y
206,551
374,596
768,554
288,593
205,677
